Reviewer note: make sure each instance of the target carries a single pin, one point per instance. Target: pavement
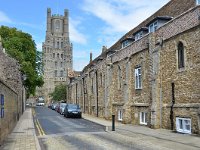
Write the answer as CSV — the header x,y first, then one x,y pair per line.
x,y
23,137
161,134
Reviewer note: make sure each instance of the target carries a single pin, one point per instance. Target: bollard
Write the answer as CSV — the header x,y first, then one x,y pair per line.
x,y
113,122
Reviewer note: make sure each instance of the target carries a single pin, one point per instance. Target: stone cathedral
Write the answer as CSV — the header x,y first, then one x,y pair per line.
x,y
57,52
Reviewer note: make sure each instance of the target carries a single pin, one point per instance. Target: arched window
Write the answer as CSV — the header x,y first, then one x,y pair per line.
x,y
181,62
55,73
61,73
57,55
57,24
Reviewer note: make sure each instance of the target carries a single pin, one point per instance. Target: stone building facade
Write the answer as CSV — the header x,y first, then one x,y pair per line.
x,y
12,95
57,52
150,76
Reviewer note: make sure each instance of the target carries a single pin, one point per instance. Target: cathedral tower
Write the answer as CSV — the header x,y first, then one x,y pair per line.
x,y
57,52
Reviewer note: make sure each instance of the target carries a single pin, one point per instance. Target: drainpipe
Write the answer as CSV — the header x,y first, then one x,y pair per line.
x,y
97,94
76,93
83,94
172,106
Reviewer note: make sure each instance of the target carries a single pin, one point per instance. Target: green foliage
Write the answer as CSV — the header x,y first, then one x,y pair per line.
x,y
59,93
22,47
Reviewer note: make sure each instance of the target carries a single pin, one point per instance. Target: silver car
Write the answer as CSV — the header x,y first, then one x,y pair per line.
x,y
62,108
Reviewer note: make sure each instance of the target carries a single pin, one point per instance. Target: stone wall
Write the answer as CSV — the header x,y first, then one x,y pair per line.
x,y
11,88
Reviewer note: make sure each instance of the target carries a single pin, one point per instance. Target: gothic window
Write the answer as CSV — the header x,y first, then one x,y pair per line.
x,y
57,44
61,73
138,78
55,73
181,62
57,24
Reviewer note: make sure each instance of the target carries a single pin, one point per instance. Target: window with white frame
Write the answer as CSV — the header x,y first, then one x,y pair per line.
x,y
120,115
153,27
198,2
125,43
143,118
138,35
138,78
183,125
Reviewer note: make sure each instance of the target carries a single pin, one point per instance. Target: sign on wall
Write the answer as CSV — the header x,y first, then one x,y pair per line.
x,y
2,100
2,106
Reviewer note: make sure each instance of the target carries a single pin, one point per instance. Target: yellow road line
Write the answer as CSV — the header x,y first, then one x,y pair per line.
x,y
38,129
41,130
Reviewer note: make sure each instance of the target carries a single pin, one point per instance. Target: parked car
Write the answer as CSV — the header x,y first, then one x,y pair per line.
x,y
40,103
72,110
62,108
53,106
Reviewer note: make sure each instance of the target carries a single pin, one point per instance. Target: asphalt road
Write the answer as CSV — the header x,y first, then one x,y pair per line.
x,y
56,132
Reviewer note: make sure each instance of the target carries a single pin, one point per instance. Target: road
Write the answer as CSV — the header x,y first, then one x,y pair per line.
x,y
56,132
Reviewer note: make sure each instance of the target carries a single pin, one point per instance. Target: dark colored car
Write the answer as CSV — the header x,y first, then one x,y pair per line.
x,y
72,110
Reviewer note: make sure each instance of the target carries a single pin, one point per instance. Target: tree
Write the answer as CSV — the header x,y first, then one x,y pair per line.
x,y
22,47
59,93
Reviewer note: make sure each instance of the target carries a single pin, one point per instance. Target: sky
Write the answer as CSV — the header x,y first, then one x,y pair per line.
x,y
92,23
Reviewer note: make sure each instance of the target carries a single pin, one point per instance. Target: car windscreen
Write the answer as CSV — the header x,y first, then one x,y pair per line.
x,y
72,106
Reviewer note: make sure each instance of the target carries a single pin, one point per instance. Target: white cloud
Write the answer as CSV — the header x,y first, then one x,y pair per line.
x,y
39,46
75,35
4,18
120,16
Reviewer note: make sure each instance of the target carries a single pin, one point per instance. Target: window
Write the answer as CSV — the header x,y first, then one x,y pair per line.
x,y
57,44
183,125
61,44
198,2
55,73
61,73
56,64
153,27
57,55
138,35
125,43
138,78
57,24
181,62
120,114
61,56
143,118
61,64
53,55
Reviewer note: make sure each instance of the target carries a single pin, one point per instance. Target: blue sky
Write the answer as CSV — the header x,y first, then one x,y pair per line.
x,y
93,23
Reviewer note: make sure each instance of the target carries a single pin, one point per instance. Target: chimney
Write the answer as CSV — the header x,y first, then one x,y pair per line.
x,y
90,57
104,48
